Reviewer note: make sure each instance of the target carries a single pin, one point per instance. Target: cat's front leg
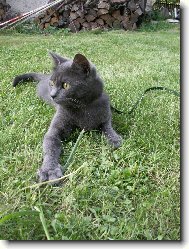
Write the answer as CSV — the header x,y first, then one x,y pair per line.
x,y
113,138
51,169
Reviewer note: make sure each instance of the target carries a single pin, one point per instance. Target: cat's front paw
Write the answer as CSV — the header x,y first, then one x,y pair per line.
x,y
116,141
48,174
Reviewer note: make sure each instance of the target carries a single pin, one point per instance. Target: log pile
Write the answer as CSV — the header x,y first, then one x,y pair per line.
x,y
93,14
4,7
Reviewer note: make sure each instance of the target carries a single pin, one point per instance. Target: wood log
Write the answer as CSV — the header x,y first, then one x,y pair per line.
x,y
81,13
105,17
110,21
4,7
75,7
93,25
81,20
74,26
100,21
116,14
117,1
50,11
61,10
134,17
127,25
54,21
142,5
90,18
105,27
134,26
126,18
103,5
86,25
2,12
46,25
47,18
73,15
92,12
124,22
138,11
66,14
116,24
102,12
42,15
131,5
41,26
37,20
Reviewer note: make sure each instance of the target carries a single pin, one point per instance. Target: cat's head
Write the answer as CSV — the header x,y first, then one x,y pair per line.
x,y
74,82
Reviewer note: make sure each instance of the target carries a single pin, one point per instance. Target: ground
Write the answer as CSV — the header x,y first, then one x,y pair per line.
x,y
132,193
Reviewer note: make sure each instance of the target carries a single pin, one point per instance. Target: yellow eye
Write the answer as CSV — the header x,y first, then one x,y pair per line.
x,y
51,83
66,86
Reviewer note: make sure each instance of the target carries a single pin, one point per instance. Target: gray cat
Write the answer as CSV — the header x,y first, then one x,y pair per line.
x,y
76,91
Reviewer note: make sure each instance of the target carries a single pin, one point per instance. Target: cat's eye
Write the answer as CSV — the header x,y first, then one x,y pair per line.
x,y
51,83
66,86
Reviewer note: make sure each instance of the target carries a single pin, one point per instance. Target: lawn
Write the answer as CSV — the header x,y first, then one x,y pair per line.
x,y
132,193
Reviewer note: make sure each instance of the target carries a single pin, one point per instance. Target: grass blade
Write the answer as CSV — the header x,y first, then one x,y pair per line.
x,y
70,158
43,222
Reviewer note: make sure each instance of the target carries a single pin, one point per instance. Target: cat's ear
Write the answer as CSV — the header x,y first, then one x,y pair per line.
x,y
81,62
57,59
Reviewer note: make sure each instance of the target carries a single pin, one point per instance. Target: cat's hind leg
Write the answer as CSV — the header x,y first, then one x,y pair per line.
x,y
43,91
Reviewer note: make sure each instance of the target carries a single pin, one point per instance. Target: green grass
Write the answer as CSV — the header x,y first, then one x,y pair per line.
x,y
132,193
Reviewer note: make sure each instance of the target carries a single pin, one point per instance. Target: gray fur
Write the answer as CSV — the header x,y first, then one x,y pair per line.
x,y
84,105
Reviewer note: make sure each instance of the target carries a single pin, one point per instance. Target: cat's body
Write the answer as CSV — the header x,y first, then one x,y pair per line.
x,y
76,91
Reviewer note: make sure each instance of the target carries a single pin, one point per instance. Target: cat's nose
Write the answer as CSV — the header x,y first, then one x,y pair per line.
x,y
53,96
53,93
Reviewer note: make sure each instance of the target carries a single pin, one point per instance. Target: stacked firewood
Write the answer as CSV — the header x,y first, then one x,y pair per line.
x,y
4,7
93,14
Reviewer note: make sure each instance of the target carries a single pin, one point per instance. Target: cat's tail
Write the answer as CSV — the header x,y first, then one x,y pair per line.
x,y
27,77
